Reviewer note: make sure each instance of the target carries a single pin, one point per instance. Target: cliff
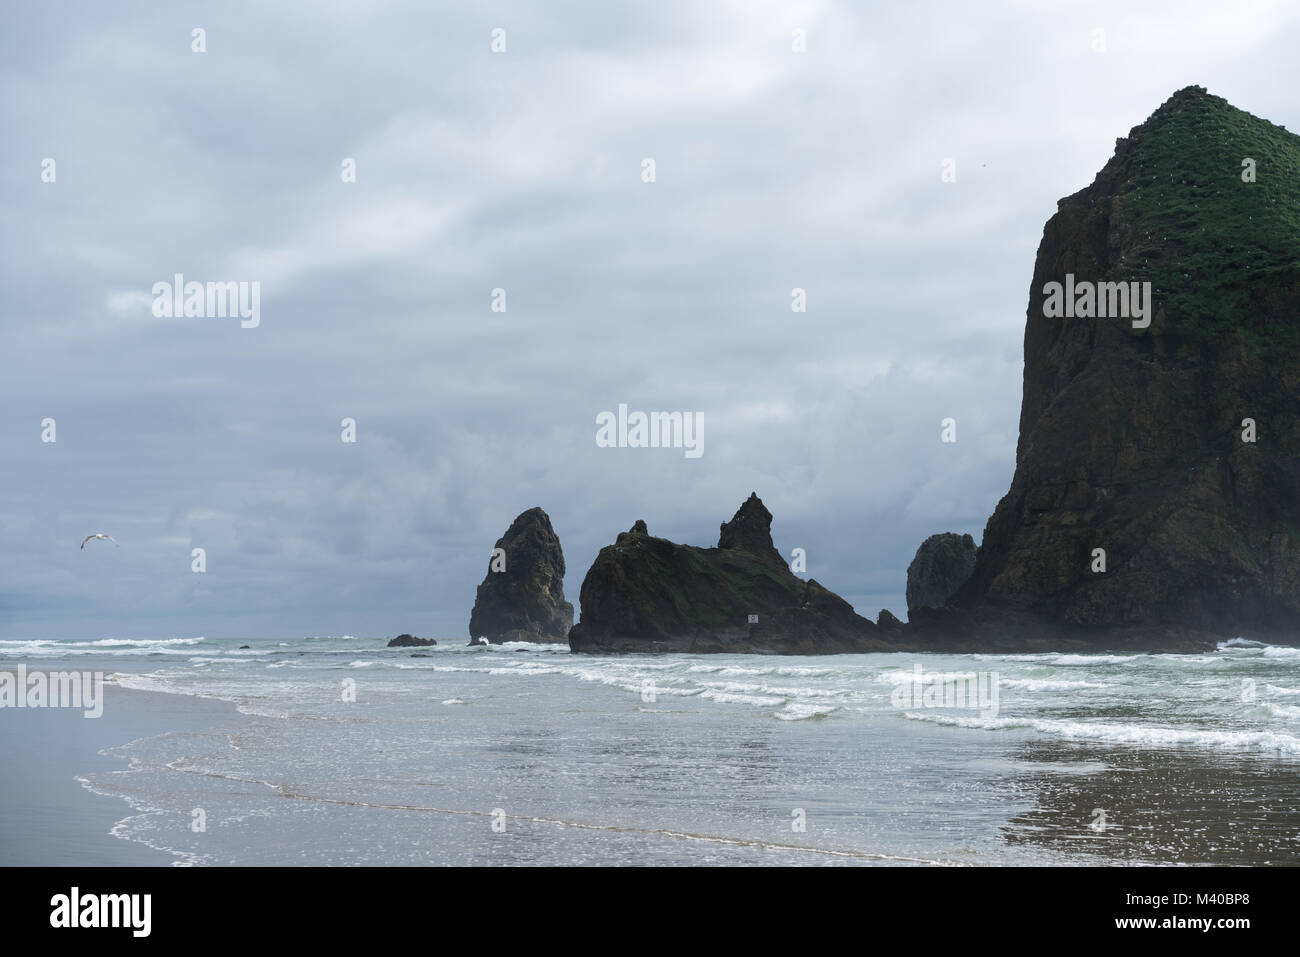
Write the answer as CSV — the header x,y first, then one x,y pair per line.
x,y
1144,508
941,565
522,595
645,593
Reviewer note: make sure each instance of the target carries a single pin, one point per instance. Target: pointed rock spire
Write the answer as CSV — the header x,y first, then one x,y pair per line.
x,y
750,529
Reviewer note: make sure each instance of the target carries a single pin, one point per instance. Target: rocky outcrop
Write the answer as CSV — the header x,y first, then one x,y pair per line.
x,y
942,564
410,641
522,597
887,621
750,531
650,594
1141,512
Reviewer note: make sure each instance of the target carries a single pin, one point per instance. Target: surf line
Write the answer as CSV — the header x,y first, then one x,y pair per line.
x,y
662,832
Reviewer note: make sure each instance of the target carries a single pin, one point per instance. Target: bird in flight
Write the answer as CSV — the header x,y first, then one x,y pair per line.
x,y
101,536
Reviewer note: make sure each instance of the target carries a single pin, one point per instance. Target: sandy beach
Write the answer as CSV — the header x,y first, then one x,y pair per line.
x,y
340,751
47,817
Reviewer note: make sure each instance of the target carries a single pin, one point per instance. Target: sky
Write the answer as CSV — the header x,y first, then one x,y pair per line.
x,y
524,169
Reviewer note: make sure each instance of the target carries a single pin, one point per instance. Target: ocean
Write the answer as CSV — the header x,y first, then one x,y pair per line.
x,y
340,751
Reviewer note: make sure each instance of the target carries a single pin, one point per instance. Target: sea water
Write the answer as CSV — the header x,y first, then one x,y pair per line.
x,y
340,750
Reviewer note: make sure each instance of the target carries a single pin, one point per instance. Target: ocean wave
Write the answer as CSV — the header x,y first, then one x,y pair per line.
x,y
671,690
516,670
728,697
902,677
1131,734
744,687
1047,684
57,646
543,647
794,672
163,684
1289,711
805,712
114,642
1281,651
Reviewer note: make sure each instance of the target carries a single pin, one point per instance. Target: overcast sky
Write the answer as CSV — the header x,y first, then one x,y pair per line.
x,y
523,170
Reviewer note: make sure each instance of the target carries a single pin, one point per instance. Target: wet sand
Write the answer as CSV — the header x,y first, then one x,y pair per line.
x,y
47,817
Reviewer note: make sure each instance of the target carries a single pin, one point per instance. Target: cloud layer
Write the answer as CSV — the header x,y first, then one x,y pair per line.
x,y
522,171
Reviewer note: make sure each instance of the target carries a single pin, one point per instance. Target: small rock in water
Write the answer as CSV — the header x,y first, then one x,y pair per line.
x,y
410,641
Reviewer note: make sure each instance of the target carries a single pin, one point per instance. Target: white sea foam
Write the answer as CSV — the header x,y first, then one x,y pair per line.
x,y
727,697
1094,659
303,730
806,672
103,647
1047,684
804,712
1130,734
745,687
114,642
1279,651
924,677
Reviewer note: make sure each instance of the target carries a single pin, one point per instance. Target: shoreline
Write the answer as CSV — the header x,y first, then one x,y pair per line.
x,y
47,816
413,769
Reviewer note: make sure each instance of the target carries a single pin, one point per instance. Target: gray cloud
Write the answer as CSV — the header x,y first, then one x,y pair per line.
x,y
522,171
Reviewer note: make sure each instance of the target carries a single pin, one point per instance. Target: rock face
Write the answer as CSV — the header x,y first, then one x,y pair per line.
x,y
887,621
941,566
649,594
410,641
522,597
1131,439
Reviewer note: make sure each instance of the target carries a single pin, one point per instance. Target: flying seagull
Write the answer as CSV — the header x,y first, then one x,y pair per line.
x,y
101,536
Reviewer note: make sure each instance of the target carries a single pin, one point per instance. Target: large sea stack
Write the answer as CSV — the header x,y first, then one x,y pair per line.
x,y
650,594
942,565
1169,455
522,596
